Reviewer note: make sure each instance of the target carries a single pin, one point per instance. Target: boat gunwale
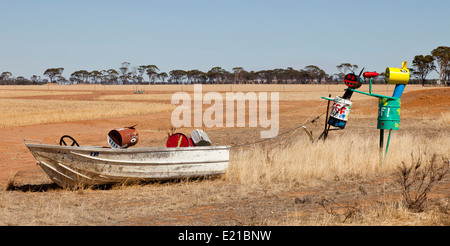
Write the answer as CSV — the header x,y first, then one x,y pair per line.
x,y
128,150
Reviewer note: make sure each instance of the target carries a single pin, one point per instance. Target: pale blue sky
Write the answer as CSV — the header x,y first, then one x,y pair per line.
x,y
201,34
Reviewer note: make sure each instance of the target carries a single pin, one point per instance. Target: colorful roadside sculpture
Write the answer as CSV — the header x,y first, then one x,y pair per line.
x,y
388,106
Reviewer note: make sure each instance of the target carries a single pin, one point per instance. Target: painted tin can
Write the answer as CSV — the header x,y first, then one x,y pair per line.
x,y
340,112
178,140
199,138
388,113
395,75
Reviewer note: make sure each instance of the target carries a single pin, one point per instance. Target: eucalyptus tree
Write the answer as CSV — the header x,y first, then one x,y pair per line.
x,y
265,76
20,80
34,79
6,76
162,76
112,75
226,77
141,71
293,75
75,77
133,75
123,70
193,76
316,73
238,75
80,76
85,75
280,75
152,72
250,77
344,67
442,57
423,65
303,76
53,72
177,75
95,75
216,75
104,76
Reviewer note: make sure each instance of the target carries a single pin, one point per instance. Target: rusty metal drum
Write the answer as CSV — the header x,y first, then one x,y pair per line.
x,y
123,137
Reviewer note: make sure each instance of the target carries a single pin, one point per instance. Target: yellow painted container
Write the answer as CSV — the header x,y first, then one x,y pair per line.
x,y
395,75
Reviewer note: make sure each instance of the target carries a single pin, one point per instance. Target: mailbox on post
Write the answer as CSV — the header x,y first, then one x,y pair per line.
x,y
388,113
388,106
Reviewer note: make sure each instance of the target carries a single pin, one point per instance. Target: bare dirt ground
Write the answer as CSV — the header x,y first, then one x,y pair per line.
x,y
207,201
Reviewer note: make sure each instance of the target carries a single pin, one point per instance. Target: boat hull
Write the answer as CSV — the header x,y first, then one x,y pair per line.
x,y
74,166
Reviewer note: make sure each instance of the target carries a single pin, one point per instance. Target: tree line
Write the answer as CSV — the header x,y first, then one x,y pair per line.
x,y
422,66
150,74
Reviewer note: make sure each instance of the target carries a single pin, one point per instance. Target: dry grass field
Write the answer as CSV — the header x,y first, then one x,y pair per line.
x,y
284,181
53,111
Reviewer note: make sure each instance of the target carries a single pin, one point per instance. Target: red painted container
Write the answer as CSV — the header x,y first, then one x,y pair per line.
x,y
178,140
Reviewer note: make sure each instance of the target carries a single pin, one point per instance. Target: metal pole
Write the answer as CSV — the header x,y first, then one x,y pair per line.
x,y
326,120
381,146
387,147
381,138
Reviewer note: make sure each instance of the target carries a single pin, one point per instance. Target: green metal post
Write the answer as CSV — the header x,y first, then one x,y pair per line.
x,y
387,147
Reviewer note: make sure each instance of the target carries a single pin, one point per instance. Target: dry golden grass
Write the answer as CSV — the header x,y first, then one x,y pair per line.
x,y
283,96
262,184
381,213
32,93
445,119
55,87
337,158
30,112
255,190
137,97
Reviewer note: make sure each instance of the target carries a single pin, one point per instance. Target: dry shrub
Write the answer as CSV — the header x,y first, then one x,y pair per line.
x,y
341,212
417,179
